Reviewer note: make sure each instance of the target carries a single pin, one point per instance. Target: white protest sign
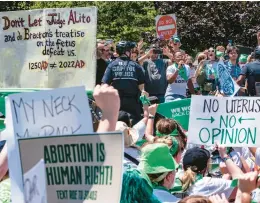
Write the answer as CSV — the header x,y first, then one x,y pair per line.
x,y
231,121
35,184
78,167
228,85
44,113
48,48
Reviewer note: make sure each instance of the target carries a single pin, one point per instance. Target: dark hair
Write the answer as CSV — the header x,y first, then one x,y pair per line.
x,y
195,199
232,48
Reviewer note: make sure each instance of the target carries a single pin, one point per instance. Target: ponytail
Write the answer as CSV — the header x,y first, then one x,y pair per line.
x,y
188,179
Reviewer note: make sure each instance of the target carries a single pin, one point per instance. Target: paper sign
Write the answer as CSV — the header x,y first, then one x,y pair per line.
x,y
228,85
79,168
231,121
34,184
48,48
178,110
45,113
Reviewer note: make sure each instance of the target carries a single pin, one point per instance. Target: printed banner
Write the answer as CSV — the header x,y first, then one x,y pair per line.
x,y
34,184
178,110
79,168
228,85
231,121
63,111
48,48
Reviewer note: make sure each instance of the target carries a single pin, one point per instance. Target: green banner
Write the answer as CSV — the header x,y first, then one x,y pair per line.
x,y
178,110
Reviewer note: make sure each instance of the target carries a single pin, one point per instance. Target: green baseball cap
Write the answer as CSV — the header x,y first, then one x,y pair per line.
x,y
156,158
243,58
175,39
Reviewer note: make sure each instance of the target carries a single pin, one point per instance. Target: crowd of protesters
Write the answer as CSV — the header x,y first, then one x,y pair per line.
x,y
159,165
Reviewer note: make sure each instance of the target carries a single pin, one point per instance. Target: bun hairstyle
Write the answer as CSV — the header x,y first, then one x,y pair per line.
x,y
166,126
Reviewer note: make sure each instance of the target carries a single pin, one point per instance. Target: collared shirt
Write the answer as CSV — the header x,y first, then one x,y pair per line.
x,y
234,70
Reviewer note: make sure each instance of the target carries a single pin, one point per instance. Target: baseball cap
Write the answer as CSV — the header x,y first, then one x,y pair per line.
x,y
175,39
130,134
196,158
156,158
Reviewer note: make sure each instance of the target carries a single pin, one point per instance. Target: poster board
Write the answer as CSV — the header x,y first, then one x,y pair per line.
x,y
60,111
48,48
178,110
93,172
231,121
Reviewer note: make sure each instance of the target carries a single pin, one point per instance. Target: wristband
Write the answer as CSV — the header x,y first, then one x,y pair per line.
x,y
226,158
151,117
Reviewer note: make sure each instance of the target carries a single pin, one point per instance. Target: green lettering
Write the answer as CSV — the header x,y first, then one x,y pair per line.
x,y
215,134
253,137
60,153
67,153
47,157
53,154
87,176
234,121
49,176
224,122
239,136
200,134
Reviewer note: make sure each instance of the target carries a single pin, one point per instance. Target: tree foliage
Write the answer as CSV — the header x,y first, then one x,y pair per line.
x,y
200,24
204,24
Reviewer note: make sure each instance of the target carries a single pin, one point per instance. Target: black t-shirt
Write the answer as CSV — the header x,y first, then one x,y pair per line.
x,y
101,68
252,73
125,76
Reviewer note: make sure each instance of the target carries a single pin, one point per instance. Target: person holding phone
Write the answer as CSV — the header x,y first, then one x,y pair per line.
x,y
178,77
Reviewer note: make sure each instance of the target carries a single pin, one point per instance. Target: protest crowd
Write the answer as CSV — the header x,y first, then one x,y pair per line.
x,y
160,163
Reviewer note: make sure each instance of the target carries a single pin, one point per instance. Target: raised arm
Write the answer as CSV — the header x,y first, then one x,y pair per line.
x,y
110,110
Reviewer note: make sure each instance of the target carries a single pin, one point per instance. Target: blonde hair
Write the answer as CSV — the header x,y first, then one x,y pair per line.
x,y
195,199
188,179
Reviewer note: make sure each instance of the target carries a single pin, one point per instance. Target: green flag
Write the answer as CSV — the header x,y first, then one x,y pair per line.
x,y
178,110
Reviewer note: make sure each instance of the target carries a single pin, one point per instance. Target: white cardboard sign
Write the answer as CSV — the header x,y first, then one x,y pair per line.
x,y
48,48
45,113
230,121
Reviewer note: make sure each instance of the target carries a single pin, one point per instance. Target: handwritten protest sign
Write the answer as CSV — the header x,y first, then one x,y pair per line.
x,y
35,184
231,121
78,167
228,85
44,113
56,46
178,110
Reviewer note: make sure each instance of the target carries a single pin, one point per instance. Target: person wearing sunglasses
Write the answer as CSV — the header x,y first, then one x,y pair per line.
x,y
207,74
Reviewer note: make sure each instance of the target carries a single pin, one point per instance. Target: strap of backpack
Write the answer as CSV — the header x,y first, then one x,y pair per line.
x,y
132,159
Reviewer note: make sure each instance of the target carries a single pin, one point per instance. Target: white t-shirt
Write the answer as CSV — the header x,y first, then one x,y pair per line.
x,y
192,73
210,186
140,127
164,196
179,85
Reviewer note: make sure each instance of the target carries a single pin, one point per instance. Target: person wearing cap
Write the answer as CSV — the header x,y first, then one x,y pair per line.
x,y
157,162
251,72
194,180
175,43
242,60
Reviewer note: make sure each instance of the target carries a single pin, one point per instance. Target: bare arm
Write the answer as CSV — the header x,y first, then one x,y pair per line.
x,y
3,162
172,77
149,128
190,86
144,57
110,110
141,87
241,79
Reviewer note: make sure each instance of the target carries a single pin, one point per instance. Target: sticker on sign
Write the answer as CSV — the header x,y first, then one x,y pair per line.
x,y
166,26
231,121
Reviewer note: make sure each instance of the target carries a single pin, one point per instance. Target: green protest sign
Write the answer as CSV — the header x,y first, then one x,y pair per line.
x,y
178,110
78,168
231,121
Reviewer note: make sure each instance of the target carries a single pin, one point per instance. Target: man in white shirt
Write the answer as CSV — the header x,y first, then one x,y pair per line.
x,y
178,77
